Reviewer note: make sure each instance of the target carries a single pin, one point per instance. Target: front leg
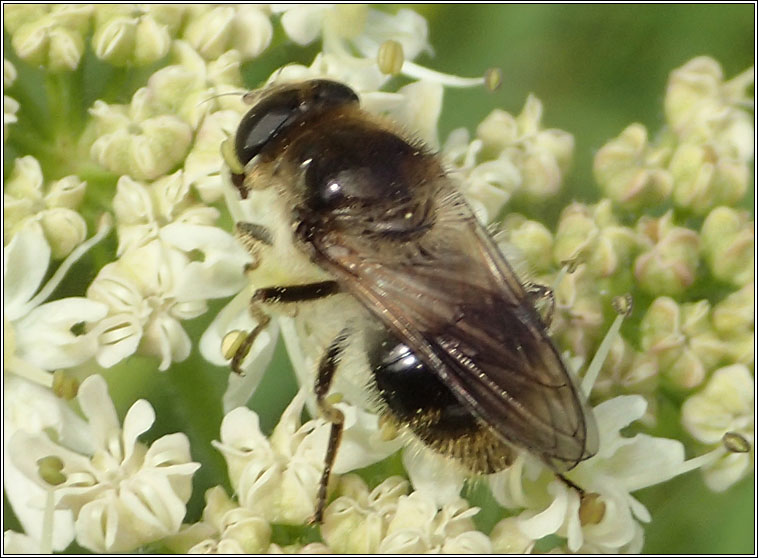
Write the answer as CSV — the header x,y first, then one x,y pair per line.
x,y
328,365
276,295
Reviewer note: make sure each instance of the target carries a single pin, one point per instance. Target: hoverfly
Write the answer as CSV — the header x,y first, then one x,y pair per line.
x,y
458,354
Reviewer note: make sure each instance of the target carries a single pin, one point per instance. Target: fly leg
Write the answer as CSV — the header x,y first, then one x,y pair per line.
x,y
329,362
543,299
571,484
275,295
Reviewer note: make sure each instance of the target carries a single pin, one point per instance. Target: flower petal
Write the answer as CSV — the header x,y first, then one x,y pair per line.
x,y
25,262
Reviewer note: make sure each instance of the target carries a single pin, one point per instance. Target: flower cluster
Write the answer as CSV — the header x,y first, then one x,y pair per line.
x,y
119,492
143,159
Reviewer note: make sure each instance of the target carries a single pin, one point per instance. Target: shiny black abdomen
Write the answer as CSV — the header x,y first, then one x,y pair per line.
x,y
415,395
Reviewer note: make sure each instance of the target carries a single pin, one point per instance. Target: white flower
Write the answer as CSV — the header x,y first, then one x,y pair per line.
x,y
279,478
349,29
29,407
172,260
360,27
388,520
416,107
122,493
725,406
38,337
606,518
150,289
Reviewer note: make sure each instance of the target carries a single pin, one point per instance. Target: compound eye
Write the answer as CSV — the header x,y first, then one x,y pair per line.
x,y
264,122
283,108
325,93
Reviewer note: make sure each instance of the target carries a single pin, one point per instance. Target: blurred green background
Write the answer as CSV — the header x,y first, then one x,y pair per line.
x,y
596,69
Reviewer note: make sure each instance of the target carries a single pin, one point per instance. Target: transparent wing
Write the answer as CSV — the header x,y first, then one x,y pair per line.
x,y
453,298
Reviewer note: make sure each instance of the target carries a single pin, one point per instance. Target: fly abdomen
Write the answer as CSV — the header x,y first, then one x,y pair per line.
x,y
414,396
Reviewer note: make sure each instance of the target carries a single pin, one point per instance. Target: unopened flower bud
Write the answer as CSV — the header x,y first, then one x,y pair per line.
x,y
542,176
705,178
532,239
734,314
689,87
157,146
65,51
702,108
217,504
728,239
668,267
114,40
243,28
497,131
576,233
52,36
64,229
66,192
681,340
631,172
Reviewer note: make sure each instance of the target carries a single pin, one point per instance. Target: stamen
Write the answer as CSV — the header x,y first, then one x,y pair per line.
x,y
50,470
623,306
65,386
493,79
231,342
702,460
411,69
390,57
735,442
48,524
560,276
591,509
